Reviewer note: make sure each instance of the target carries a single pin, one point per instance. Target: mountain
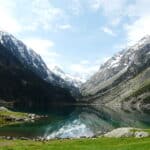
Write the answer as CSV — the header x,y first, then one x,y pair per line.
x,y
71,80
26,56
122,81
25,79
34,61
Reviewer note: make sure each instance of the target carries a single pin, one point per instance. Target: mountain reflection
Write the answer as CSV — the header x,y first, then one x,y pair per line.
x,y
95,120
79,121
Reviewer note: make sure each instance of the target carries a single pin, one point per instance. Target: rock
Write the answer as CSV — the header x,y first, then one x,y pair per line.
x,y
82,137
19,119
141,134
9,138
94,136
120,132
127,132
3,109
26,119
24,138
32,116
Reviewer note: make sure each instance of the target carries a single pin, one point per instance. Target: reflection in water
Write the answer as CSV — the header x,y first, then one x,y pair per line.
x,y
73,129
89,121
81,122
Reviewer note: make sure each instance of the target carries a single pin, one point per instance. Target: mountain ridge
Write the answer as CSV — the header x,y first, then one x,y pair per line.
x,y
117,72
21,86
29,58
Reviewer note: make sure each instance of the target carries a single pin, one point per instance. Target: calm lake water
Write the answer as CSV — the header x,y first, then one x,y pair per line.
x,y
75,122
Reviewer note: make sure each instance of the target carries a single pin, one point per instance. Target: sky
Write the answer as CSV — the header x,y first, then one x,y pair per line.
x,y
76,35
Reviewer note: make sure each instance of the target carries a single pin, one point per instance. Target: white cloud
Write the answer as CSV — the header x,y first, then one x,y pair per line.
x,y
8,21
37,14
114,10
85,62
138,29
84,71
85,68
45,14
139,13
108,31
95,4
44,49
64,27
139,8
76,7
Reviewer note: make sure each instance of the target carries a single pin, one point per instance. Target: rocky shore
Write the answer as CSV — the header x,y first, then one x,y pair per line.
x,y
126,132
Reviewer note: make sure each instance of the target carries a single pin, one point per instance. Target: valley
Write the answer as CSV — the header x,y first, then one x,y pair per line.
x,y
114,98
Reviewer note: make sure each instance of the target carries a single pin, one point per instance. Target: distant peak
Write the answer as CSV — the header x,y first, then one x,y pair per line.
x,y
143,41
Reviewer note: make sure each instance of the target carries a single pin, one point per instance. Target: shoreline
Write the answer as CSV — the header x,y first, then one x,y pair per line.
x,y
124,132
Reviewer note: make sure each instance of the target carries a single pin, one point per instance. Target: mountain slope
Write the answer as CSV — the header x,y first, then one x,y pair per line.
x,y
25,55
22,86
121,76
33,61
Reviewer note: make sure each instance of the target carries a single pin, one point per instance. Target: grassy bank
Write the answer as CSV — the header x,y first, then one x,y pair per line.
x,y
8,117
81,144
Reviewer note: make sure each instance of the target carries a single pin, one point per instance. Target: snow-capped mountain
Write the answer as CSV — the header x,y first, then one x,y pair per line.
x,y
75,81
32,60
24,89
119,69
26,55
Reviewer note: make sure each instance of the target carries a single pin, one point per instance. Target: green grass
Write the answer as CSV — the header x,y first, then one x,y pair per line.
x,y
81,144
10,114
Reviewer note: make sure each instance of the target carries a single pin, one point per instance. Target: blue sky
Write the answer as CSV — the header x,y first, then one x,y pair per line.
x,y
76,35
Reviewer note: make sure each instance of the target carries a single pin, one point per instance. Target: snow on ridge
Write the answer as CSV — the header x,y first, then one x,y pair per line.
x,y
25,54
67,77
124,57
29,57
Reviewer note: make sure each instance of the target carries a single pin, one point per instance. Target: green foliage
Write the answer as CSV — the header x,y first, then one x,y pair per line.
x,y
12,113
81,144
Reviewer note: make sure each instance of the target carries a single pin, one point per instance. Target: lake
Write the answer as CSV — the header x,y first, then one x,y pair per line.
x,y
78,121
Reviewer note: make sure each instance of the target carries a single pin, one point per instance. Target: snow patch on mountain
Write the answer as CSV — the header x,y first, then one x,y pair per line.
x,y
125,57
76,81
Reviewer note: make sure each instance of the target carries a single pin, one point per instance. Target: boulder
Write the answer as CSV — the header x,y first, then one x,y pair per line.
x,y
141,134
